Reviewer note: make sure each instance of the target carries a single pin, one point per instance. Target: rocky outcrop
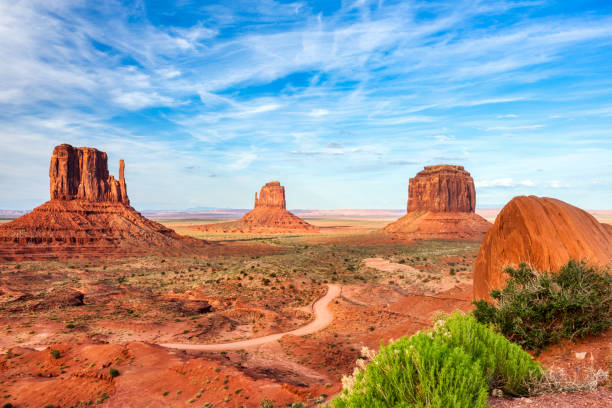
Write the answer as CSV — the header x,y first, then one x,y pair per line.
x,y
88,216
81,173
543,232
420,225
442,188
272,195
269,216
441,205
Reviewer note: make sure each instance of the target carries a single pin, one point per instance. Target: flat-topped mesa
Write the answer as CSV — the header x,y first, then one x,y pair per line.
x,y
271,195
442,188
441,205
81,173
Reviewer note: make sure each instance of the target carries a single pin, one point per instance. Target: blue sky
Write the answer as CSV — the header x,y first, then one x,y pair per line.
x,y
342,101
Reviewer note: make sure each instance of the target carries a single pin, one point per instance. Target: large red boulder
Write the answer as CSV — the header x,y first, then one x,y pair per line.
x,y
543,232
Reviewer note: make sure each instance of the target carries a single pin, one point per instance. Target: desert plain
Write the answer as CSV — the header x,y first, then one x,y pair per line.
x,y
65,324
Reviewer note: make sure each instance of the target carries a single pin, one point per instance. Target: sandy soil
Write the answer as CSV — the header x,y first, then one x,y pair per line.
x,y
259,339
322,318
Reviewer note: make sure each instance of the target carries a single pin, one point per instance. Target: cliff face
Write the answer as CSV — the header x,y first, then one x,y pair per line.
x,y
442,188
271,195
81,173
88,216
543,232
441,205
269,216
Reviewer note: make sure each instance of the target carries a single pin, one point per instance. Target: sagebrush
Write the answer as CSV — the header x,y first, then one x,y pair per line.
x,y
454,365
537,309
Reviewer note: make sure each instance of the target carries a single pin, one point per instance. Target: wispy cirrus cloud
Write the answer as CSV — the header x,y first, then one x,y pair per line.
x,y
265,88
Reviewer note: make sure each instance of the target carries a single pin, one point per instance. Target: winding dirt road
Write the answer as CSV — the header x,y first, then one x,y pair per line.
x,y
323,317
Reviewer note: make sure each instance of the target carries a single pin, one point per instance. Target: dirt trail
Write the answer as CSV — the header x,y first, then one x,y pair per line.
x,y
323,317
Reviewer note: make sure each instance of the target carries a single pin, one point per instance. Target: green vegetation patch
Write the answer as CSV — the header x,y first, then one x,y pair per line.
x,y
454,365
537,309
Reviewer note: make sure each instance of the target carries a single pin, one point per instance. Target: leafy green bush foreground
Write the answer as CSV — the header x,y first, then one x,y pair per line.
x,y
535,309
452,366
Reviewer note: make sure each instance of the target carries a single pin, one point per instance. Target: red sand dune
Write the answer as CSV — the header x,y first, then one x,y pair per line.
x,y
543,232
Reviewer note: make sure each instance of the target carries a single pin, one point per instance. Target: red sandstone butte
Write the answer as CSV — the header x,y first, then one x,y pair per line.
x,y
269,216
441,205
82,174
89,214
543,232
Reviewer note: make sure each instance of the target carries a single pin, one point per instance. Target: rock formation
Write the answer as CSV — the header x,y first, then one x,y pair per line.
x,y
442,188
88,215
441,204
272,195
543,232
268,217
81,173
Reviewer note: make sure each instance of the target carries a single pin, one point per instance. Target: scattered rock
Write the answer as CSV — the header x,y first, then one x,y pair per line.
x,y
192,307
543,232
59,298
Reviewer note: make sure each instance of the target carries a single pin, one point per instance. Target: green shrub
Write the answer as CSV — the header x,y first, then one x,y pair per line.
x,y
266,404
55,353
535,310
113,372
454,365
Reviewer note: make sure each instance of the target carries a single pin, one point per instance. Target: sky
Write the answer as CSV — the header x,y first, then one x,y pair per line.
x,y
341,101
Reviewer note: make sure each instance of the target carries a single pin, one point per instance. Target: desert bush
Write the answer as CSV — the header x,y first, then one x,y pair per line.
x,y
557,380
113,372
266,404
454,365
537,309
55,353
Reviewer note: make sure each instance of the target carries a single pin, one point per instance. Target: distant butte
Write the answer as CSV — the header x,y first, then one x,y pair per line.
x,y
89,214
269,215
543,232
441,205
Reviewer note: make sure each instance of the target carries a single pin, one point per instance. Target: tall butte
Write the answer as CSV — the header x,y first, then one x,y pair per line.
x,y
269,216
543,232
441,205
89,214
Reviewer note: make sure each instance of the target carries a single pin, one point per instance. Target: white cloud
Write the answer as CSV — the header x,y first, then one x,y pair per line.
x,y
316,113
559,184
504,182
518,127
444,138
138,100
241,160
